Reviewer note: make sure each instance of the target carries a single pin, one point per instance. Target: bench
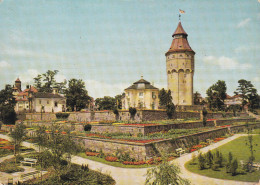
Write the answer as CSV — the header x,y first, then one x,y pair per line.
x,y
257,166
29,161
180,151
31,175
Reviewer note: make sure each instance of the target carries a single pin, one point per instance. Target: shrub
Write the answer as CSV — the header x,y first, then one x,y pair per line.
x,y
115,111
132,111
140,134
233,167
87,127
209,158
201,163
62,115
19,158
170,110
228,165
204,113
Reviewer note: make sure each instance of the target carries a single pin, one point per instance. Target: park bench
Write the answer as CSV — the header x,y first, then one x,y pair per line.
x,y
256,165
29,161
180,151
31,175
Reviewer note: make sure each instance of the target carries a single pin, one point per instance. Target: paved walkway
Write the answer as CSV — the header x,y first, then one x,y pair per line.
x,y
15,176
136,176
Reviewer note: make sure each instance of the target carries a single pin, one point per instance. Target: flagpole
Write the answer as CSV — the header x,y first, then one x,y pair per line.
x,y
179,17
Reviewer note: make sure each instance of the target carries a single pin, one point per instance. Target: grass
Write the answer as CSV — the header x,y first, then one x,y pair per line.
x,y
115,164
241,152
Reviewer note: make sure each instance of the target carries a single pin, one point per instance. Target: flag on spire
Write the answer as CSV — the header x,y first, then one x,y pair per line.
x,y
181,11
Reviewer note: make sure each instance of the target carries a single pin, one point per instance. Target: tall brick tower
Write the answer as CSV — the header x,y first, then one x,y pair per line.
x,y
180,68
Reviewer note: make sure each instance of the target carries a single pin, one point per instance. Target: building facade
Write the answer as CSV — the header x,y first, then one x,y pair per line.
x,y
180,68
141,95
23,103
48,102
233,100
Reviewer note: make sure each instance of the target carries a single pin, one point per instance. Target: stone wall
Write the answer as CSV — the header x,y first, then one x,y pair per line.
x,y
141,151
141,115
133,130
109,147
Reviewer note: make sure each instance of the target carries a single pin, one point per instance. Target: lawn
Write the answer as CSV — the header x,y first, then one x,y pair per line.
x,y
241,152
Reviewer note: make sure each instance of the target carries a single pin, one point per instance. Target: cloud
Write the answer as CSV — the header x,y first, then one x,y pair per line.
x,y
243,23
60,78
99,89
4,64
10,51
27,77
226,63
256,79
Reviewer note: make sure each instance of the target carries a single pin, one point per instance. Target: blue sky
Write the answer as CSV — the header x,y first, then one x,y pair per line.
x,y
110,44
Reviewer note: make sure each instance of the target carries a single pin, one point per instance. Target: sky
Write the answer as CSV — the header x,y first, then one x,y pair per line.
x,y
111,44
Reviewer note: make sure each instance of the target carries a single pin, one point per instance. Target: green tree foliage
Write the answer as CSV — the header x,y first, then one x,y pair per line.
x,y
229,162
46,81
59,148
18,135
7,104
196,98
170,110
165,97
251,146
119,100
202,162
248,93
209,158
132,112
77,95
204,114
165,174
216,95
106,103
233,167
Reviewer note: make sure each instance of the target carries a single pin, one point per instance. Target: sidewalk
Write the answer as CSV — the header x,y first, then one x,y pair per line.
x,y
136,176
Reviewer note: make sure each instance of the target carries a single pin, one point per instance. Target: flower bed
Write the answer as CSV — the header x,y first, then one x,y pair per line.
x,y
219,139
111,159
92,154
134,163
141,124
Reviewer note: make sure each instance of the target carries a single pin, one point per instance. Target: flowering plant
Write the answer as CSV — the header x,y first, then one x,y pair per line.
x,y
111,159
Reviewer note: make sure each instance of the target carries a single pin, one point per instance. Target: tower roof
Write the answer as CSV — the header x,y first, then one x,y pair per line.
x,y
180,42
179,30
17,80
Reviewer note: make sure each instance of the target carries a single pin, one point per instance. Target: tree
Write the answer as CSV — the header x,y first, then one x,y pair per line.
x,y
60,147
46,81
165,174
132,112
251,147
216,95
77,95
233,167
209,158
7,104
119,100
18,135
170,110
196,98
165,97
248,93
228,165
106,103
201,160
204,115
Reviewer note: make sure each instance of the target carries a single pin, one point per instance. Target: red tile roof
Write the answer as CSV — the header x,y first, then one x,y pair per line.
x,y
180,44
179,30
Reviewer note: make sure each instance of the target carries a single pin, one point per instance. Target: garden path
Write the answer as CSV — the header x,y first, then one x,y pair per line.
x,y
15,176
136,176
